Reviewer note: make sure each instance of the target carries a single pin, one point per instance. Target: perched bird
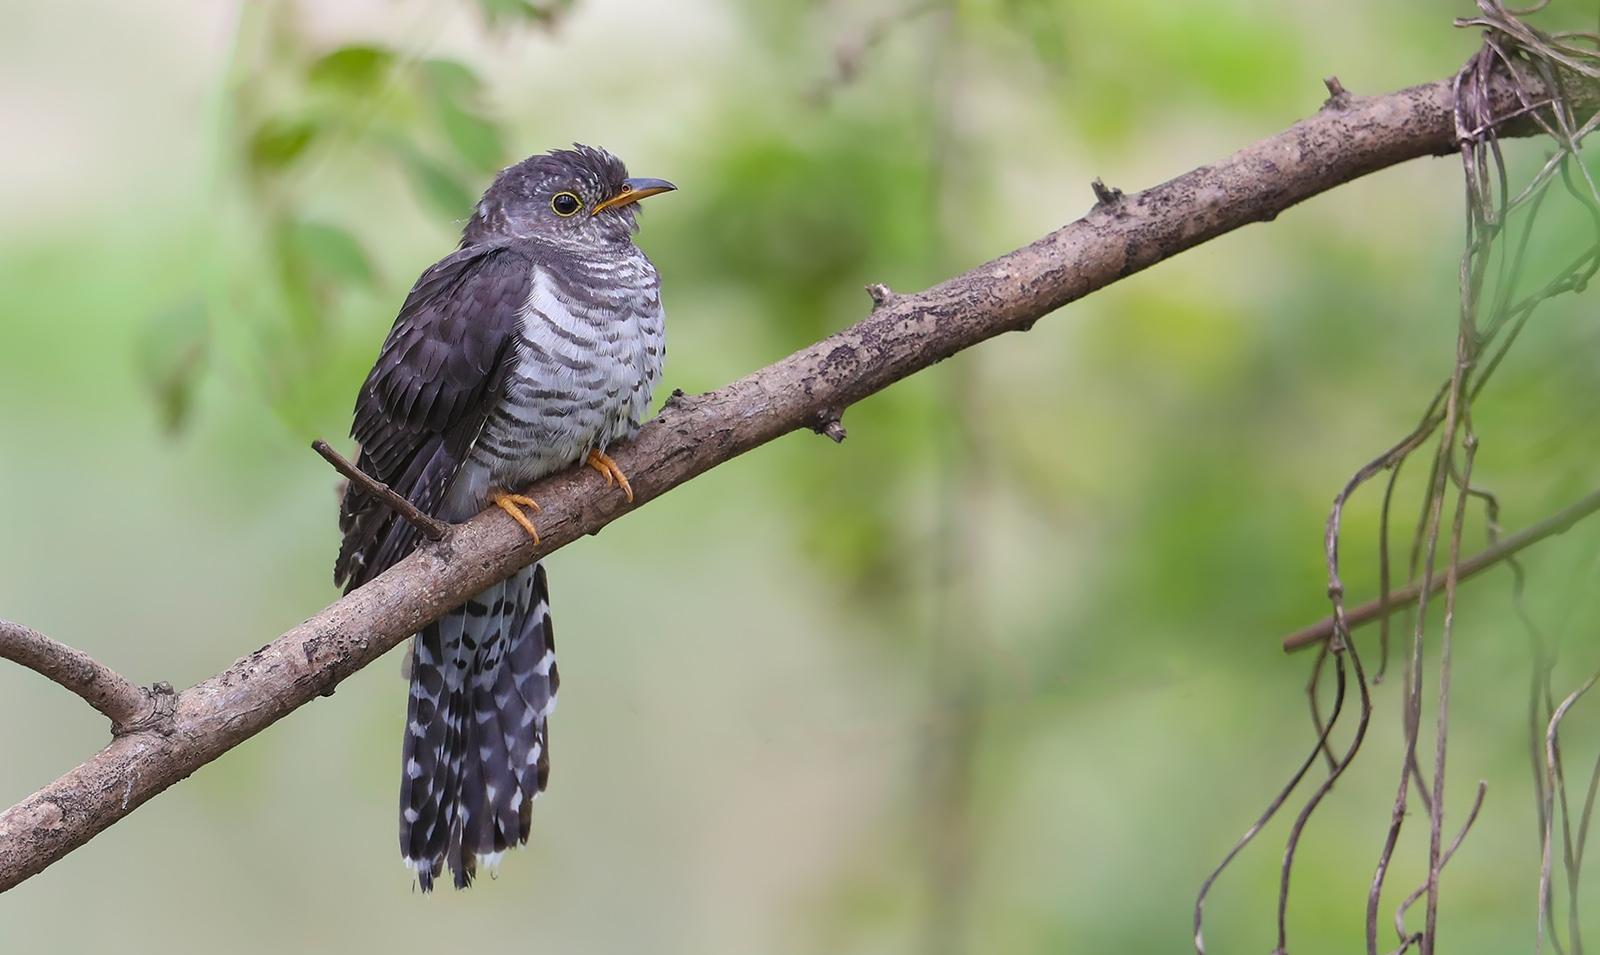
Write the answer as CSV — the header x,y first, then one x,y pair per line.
x,y
531,348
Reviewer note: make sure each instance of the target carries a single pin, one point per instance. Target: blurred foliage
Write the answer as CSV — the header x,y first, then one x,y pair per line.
x,y
293,105
1023,618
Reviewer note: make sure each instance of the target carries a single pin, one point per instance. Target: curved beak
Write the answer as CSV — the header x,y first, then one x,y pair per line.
x,y
632,191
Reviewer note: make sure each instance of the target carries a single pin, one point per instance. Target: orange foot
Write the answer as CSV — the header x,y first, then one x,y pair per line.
x,y
510,504
601,462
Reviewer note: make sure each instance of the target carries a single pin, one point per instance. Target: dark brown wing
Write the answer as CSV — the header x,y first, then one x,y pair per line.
x,y
427,397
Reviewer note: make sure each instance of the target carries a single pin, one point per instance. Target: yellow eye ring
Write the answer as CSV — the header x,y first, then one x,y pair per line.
x,y
565,204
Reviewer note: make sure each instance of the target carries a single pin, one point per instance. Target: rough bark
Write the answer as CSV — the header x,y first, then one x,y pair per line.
x,y
1122,234
114,696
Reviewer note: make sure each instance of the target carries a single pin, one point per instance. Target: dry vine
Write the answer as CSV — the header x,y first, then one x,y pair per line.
x,y
1541,68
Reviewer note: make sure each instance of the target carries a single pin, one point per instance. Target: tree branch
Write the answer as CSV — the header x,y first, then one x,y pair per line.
x,y
902,335
108,691
1557,523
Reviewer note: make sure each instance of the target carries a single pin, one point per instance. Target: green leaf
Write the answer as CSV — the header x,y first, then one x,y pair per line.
x,y
331,251
358,68
454,89
172,350
476,140
495,10
278,142
452,79
437,186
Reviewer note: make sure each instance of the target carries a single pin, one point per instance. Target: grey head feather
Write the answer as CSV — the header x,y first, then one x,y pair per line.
x,y
519,203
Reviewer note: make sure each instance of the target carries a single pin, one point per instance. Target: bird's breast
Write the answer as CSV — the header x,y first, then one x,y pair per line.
x,y
589,352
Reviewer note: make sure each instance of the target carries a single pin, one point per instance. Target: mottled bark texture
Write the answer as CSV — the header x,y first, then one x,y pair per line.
x,y
117,699
1122,234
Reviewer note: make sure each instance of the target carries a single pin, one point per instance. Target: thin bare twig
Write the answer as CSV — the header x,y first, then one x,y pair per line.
x,y
114,695
431,528
1272,809
1406,941
1436,849
1552,772
1558,523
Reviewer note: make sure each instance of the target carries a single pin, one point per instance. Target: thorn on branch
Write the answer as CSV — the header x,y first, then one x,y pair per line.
x,y
678,401
881,295
828,425
431,528
1338,96
1105,196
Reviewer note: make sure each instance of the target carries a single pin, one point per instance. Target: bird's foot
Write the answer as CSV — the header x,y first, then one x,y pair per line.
x,y
513,504
602,462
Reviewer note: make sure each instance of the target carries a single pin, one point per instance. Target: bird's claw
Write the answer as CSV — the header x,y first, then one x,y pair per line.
x,y
512,504
608,469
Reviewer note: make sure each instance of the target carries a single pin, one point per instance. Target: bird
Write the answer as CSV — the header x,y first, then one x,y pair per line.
x,y
532,348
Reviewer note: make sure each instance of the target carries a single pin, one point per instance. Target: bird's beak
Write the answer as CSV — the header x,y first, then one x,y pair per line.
x,y
632,191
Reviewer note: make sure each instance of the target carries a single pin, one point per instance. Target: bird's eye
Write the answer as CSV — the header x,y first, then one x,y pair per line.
x,y
565,204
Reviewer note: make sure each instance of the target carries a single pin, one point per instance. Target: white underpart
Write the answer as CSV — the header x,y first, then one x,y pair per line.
x,y
621,375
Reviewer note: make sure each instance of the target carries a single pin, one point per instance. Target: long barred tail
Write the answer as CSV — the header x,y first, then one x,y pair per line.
x,y
477,745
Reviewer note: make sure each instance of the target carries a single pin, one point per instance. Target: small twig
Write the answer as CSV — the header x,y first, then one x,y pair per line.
x,y
880,294
1552,768
1297,830
850,55
1105,195
1338,96
1312,697
431,528
1436,846
1409,939
1374,609
114,695
1272,807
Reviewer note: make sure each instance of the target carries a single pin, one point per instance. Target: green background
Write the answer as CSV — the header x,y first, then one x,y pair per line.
x,y
997,674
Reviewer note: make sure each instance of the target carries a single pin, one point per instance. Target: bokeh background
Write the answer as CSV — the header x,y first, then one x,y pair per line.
x,y
998,674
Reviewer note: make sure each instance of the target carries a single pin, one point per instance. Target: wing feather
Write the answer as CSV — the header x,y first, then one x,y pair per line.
x,y
434,384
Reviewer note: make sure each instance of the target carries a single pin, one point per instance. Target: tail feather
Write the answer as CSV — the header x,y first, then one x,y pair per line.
x,y
465,794
424,741
468,824
476,747
490,787
501,735
432,753
533,672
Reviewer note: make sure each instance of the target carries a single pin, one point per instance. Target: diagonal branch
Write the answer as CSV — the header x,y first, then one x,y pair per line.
x,y
1351,137
1557,523
103,688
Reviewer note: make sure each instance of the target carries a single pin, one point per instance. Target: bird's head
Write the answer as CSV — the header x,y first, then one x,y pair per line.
x,y
577,197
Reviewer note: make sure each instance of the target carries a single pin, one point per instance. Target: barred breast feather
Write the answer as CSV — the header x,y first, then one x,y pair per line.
x,y
587,354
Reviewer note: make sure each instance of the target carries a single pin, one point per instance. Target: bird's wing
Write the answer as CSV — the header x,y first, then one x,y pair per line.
x,y
426,399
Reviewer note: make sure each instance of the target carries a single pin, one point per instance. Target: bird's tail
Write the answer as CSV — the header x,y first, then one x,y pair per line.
x,y
477,746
